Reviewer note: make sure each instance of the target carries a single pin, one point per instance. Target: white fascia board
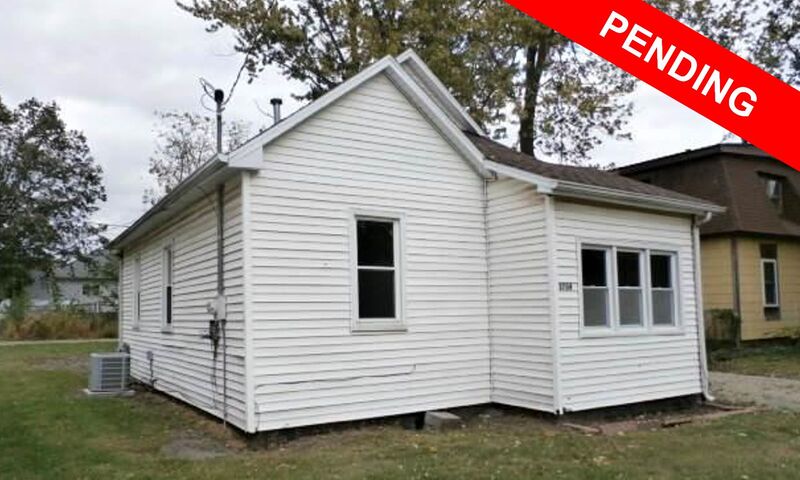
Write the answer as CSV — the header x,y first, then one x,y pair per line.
x,y
411,58
633,199
543,184
249,154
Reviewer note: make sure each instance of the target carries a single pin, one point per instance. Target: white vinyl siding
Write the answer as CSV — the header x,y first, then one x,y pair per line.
x,y
522,366
370,151
620,368
183,362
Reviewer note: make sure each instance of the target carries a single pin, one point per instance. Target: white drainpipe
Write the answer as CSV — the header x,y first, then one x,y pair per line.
x,y
698,284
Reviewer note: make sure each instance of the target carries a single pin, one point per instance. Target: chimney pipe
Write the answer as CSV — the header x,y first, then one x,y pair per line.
x,y
276,109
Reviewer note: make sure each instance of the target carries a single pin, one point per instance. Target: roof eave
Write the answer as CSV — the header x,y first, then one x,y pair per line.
x,y
213,171
633,199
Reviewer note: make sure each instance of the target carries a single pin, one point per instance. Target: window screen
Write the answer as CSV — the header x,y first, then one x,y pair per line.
x,y
629,278
377,270
770,271
662,288
594,268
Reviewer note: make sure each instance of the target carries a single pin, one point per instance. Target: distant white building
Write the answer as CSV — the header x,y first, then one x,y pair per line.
x,y
75,284
377,254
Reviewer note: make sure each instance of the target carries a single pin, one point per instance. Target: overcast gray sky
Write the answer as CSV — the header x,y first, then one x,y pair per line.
x,y
111,64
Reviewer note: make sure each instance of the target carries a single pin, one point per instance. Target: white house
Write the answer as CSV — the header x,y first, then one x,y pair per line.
x,y
376,254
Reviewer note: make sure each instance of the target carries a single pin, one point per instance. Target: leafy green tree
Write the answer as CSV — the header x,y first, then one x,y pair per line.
x,y
775,38
184,142
501,64
49,188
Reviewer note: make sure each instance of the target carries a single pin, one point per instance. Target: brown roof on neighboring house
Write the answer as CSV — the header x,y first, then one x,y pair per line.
x,y
733,175
499,153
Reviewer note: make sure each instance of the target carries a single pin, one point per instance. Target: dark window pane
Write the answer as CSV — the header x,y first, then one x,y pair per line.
x,y
169,305
375,246
661,271
628,269
770,284
769,251
376,294
593,267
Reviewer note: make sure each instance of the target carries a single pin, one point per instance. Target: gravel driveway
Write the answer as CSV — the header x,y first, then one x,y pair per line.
x,y
778,393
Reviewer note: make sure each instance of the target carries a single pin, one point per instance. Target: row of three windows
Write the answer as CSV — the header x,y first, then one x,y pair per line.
x,y
628,288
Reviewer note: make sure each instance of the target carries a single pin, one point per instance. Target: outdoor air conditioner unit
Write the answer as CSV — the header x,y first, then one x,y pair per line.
x,y
109,373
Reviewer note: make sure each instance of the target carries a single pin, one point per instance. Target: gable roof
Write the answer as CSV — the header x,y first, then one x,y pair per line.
x,y
582,182
730,175
427,93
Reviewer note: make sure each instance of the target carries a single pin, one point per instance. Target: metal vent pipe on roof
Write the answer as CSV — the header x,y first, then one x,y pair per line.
x,y
276,109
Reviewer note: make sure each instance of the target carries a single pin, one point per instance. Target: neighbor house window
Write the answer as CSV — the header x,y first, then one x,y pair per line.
x,y
769,274
641,292
662,288
137,289
630,291
377,252
774,190
91,290
595,283
166,265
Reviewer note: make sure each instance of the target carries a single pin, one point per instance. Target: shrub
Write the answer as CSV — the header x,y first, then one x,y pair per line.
x,y
62,325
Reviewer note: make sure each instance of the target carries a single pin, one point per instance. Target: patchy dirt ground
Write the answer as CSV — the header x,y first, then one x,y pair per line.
x,y
777,393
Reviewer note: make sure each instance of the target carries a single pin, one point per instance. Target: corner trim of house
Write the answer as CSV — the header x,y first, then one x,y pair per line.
x,y
700,311
249,378
552,274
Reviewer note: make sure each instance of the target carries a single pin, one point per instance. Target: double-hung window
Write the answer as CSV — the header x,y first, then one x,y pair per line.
x,y
769,275
377,295
137,290
628,289
596,285
166,276
662,288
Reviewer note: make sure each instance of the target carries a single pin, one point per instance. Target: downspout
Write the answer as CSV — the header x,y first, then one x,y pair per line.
x,y
221,310
698,285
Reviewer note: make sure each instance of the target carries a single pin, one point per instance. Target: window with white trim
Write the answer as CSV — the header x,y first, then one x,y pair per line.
x,y
662,288
596,286
378,303
137,289
769,275
166,293
628,289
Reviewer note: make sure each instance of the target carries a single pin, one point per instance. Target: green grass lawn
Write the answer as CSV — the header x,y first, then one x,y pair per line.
x,y
781,361
50,430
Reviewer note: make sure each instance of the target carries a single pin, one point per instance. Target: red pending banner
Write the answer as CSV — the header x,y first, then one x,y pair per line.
x,y
685,65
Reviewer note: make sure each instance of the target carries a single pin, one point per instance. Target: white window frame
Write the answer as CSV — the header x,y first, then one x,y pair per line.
x,y
137,290
774,262
167,281
379,325
610,304
647,328
675,290
643,283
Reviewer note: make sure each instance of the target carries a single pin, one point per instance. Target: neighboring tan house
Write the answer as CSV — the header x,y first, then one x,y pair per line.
x,y
76,284
751,254
377,254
